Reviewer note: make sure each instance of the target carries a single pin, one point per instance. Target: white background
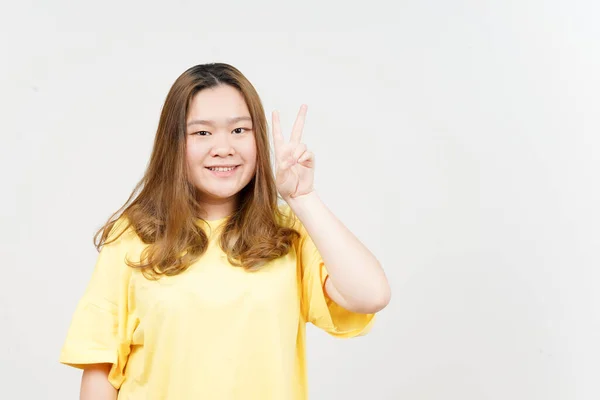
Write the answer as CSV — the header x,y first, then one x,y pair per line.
x,y
457,139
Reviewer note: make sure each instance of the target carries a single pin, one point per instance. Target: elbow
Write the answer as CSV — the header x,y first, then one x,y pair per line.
x,y
384,298
379,300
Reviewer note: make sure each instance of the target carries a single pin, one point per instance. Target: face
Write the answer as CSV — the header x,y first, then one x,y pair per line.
x,y
221,149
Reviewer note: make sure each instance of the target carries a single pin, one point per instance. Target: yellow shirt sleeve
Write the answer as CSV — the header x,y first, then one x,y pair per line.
x,y
317,307
101,327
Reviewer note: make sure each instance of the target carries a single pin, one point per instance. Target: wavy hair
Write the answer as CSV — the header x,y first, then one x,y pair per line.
x,y
163,208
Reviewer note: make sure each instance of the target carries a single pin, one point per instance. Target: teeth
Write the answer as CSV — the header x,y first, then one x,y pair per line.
x,y
219,169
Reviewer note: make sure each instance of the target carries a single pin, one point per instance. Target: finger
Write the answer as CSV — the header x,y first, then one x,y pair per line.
x,y
298,151
276,131
308,158
299,125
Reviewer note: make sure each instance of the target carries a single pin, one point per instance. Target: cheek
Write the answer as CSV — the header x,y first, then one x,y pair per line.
x,y
250,152
193,154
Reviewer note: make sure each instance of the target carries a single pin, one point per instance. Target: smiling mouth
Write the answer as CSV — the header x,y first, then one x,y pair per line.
x,y
222,169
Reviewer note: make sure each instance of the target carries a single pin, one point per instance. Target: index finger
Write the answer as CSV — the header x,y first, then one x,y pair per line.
x,y
299,125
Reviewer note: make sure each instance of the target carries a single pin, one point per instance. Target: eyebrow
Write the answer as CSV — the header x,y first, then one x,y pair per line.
x,y
212,123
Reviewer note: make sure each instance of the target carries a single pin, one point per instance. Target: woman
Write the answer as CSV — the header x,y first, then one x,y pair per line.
x,y
204,283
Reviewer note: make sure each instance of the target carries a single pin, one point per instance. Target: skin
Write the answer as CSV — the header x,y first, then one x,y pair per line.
x,y
356,280
217,134
95,384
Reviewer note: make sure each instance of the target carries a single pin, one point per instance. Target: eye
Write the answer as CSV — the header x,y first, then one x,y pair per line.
x,y
238,130
201,133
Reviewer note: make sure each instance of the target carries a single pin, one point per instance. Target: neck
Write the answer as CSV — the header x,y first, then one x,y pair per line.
x,y
213,209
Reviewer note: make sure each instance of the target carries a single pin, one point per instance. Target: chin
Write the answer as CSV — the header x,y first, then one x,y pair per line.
x,y
220,194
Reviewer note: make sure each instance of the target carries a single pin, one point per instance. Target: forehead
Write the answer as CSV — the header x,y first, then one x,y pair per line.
x,y
217,103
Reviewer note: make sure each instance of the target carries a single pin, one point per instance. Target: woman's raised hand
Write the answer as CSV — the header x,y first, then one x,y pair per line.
x,y
294,174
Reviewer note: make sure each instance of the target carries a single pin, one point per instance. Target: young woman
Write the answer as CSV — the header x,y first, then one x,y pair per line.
x,y
205,282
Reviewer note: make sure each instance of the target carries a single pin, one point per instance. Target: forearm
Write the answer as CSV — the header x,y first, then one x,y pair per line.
x,y
359,283
95,384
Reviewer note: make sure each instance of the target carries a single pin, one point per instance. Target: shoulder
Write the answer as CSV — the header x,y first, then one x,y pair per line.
x,y
121,247
286,216
121,234
290,220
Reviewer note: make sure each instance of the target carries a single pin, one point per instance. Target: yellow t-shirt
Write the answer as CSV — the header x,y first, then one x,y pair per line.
x,y
212,332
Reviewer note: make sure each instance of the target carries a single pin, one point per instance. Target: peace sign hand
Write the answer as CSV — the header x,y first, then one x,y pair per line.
x,y
294,174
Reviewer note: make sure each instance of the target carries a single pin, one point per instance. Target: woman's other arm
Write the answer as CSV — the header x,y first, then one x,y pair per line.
x,y
95,384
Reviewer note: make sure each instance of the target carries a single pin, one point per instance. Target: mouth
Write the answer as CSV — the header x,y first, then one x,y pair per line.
x,y
223,170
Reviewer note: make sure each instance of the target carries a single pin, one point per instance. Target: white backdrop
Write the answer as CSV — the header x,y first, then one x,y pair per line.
x,y
457,139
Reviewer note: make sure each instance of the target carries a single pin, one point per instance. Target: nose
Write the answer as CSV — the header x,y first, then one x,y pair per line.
x,y
221,146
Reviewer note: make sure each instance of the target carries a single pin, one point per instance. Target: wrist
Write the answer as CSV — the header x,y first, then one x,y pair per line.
x,y
300,204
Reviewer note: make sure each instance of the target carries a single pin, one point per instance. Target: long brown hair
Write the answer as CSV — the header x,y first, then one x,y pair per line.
x,y
163,208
